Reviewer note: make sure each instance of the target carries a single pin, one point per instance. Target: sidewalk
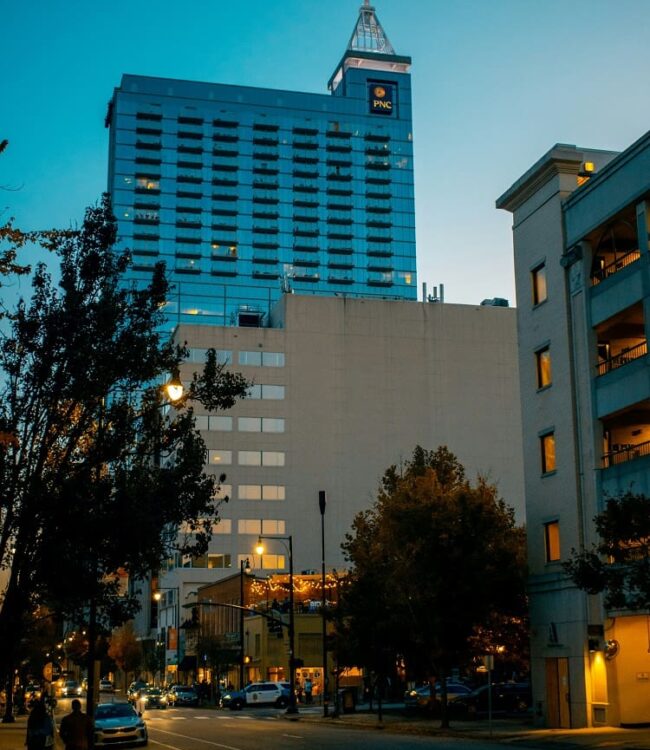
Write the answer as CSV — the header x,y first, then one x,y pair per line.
x,y
12,736
506,731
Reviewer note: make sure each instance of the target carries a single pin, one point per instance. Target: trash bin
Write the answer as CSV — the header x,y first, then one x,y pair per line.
x,y
347,700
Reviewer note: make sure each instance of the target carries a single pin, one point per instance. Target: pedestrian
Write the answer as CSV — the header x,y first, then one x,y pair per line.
x,y
308,690
76,728
40,728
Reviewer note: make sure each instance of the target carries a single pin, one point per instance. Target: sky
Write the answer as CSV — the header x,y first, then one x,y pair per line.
x,y
496,83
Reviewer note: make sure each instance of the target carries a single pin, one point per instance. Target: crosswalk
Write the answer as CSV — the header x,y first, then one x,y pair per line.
x,y
164,716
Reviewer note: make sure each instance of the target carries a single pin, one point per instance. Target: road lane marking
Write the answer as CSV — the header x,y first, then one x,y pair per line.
x,y
294,736
198,739
162,744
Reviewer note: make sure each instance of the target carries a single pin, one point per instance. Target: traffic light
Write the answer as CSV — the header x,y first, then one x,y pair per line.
x,y
274,625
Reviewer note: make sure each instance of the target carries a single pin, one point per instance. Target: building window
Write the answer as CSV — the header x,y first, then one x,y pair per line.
x,y
262,359
255,526
249,424
220,424
261,458
538,275
267,392
220,458
219,561
547,443
261,492
223,527
272,424
552,541
273,562
543,360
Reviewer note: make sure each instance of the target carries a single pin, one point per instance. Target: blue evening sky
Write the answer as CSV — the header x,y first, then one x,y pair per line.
x,y
496,83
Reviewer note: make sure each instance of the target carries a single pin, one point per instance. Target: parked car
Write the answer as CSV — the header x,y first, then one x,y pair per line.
x,y
106,686
421,697
71,689
183,695
508,699
119,724
134,690
257,694
151,697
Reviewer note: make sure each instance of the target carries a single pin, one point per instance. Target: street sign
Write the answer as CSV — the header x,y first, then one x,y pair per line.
x,y
51,671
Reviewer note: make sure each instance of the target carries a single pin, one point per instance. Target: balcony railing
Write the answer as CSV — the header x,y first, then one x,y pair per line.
x,y
623,358
620,454
614,267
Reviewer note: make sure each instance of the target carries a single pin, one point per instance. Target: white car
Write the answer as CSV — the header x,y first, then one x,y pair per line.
x,y
106,686
257,694
119,724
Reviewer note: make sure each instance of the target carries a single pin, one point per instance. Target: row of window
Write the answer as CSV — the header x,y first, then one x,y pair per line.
x,y
250,359
246,458
270,492
244,424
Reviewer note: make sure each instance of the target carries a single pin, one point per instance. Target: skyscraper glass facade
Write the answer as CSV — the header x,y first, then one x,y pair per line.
x,y
247,193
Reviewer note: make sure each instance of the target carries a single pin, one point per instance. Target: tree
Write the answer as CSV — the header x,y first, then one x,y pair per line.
x,y
97,476
432,561
619,564
217,654
125,650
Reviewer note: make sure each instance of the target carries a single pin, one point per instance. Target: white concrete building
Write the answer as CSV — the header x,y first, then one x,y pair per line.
x,y
580,226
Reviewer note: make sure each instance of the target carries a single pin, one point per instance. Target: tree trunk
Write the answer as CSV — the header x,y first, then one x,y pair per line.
x,y
444,710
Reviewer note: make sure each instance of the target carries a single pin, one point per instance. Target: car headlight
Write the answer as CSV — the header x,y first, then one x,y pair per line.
x,y
140,725
413,693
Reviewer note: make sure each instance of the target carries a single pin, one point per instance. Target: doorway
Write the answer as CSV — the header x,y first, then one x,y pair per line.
x,y
557,693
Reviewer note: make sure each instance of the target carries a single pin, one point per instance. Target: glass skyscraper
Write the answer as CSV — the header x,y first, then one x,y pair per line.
x,y
247,193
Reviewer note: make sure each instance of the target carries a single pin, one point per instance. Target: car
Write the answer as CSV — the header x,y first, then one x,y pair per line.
x,y
106,686
183,695
134,690
421,697
119,724
71,689
257,694
508,699
151,697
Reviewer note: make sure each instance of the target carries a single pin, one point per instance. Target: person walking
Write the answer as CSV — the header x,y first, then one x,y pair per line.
x,y
308,690
76,728
40,728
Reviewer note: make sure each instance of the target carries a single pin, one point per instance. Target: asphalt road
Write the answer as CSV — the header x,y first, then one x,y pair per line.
x,y
267,729
178,729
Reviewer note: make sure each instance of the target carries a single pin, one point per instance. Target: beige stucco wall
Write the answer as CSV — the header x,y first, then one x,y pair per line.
x,y
366,381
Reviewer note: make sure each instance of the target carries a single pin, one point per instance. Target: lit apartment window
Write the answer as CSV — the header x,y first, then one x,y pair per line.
x,y
547,443
261,492
538,275
543,358
552,541
220,458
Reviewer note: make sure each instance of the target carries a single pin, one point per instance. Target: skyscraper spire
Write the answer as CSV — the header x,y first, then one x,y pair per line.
x,y
369,48
368,34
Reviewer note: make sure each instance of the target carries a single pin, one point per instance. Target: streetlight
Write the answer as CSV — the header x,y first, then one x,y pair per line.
x,y
158,596
244,567
174,388
259,549
322,503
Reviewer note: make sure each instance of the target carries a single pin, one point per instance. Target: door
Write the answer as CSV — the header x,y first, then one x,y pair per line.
x,y
557,693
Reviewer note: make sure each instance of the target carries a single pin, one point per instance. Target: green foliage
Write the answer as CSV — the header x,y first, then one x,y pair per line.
x,y
434,560
619,564
96,473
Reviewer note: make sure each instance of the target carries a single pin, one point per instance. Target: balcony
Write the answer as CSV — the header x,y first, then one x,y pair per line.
x,y
607,269
627,355
621,454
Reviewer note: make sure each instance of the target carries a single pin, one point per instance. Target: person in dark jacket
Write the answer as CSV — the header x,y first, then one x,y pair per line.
x,y
40,728
76,728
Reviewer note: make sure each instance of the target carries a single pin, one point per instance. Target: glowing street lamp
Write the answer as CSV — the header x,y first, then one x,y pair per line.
x,y
259,549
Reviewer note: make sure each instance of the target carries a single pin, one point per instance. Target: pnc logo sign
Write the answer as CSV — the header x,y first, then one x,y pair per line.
x,y
380,99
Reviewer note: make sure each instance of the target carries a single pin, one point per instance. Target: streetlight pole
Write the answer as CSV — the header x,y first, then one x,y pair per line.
x,y
293,709
157,596
322,503
244,567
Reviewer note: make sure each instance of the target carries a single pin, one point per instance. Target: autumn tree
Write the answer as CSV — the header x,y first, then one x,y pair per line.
x,y
98,472
431,562
618,565
125,650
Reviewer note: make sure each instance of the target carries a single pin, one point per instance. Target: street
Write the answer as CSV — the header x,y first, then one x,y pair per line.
x,y
268,728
